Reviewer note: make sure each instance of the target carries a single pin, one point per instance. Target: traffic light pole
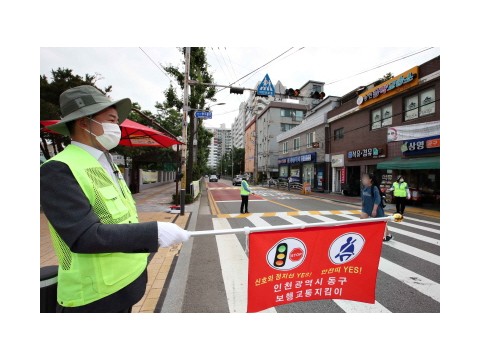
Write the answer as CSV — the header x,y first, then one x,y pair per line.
x,y
184,131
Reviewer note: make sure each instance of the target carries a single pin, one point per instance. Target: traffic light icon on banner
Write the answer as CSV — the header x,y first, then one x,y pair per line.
x,y
280,255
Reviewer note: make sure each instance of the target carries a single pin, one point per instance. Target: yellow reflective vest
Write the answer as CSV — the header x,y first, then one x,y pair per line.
x,y
400,189
244,189
85,278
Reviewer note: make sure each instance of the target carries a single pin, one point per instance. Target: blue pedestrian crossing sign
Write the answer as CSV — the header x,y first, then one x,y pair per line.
x,y
266,87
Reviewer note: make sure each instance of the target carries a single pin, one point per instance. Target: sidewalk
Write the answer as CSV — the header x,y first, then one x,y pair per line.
x,y
356,201
151,206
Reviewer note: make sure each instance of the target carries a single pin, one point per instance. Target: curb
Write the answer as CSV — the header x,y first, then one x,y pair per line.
x,y
173,301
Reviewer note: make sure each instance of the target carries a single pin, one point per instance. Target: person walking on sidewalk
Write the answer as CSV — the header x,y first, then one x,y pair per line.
x,y
401,193
245,192
101,248
372,204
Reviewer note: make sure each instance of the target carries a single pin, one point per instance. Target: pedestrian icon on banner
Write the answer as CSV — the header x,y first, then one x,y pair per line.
x,y
345,248
266,88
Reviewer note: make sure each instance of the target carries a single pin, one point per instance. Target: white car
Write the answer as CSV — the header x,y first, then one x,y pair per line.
x,y
213,178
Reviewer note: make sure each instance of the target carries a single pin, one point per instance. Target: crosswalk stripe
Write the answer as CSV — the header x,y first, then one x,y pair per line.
x,y
291,219
358,307
234,264
321,218
420,220
412,279
419,227
424,255
413,235
257,221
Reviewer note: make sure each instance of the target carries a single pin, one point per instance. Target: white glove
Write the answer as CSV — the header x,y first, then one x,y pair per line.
x,y
170,234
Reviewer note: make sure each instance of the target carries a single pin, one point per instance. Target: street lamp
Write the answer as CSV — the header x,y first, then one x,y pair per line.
x,y
209,107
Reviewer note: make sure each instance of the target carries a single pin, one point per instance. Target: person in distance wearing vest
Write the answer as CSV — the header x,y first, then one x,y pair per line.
x,y
401,193
245,191
101,248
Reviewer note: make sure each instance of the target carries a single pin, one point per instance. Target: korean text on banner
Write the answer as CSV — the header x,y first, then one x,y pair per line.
x,y
320,263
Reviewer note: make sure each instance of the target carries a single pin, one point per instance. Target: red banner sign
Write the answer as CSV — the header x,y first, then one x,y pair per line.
x,y
337,262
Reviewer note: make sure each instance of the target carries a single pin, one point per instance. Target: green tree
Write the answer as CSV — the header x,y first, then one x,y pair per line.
x,y
199,71
50,89
386,77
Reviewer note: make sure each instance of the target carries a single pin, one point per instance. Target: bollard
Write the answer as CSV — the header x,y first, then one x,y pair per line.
x,y
48,289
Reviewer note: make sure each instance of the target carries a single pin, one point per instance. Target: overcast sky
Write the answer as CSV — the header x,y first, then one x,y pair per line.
x,y
133,75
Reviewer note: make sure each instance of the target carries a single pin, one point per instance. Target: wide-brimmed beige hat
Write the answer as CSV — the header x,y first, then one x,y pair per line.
x,y
86,100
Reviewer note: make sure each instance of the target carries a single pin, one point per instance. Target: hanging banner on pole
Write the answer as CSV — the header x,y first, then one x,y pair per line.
x,y
318,263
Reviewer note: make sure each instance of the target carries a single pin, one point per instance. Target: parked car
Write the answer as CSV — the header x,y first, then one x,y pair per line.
x,y
213,178
237,180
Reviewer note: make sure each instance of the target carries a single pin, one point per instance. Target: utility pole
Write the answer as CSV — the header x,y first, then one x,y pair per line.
x,y
184,131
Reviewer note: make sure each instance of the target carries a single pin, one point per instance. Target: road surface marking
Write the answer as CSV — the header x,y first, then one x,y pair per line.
x,y
424,255
403,232
234,264
286,206
236,201
291,219
358,307
418,282
257,221
419,227
419,220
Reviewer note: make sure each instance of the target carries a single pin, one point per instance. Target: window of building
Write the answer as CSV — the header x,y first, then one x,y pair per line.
x,y
285,147
296,144
420,104
285,127
338,134
310,139
382,117
296,115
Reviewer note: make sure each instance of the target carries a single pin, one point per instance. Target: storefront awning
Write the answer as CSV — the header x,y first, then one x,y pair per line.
x,y
411,164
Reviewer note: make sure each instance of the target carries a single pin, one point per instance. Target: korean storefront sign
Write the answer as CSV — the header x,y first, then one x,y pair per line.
x,y
343,175
338,160
427,145
378,152
389,88
310,157
319,263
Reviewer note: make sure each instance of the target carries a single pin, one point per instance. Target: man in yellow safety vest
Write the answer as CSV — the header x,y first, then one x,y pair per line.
x,y
101,247
245,191
401,193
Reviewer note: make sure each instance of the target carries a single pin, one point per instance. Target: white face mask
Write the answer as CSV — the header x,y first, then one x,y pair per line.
x,y
111,135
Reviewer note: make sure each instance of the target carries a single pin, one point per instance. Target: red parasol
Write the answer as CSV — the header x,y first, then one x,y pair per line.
x,y
133,134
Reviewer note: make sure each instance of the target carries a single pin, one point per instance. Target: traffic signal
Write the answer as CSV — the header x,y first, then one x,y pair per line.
x,y
234,90
293,93
280,255
317,95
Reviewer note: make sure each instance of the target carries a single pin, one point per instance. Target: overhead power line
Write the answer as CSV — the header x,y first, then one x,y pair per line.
x,y
379,66
154,63
251,72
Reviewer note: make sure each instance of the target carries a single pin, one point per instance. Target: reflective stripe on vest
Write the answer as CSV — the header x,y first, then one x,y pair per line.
x,y
400,190
244,185
85,278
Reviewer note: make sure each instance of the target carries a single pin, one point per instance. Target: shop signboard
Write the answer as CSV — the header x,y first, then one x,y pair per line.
x,y
427,145
377,152
338,160
310,157
343,175
389,88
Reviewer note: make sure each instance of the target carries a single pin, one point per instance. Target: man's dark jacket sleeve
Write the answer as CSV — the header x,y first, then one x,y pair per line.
x,y
70,213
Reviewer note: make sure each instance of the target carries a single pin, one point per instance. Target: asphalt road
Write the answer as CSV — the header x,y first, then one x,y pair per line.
x,y
409,271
